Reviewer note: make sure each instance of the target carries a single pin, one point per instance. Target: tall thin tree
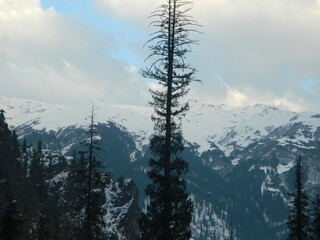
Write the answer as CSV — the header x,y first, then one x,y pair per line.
x,y
88,182
169,211
298,221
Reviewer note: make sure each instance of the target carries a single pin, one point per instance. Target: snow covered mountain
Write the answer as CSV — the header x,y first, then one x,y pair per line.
x,y
240,158
229,128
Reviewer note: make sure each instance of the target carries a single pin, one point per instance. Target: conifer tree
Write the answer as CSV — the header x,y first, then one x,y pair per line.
x,y
298,221
89,183
169,211
315,223
6,149
37,172
24,156
24,146
11,224
15,144
75,195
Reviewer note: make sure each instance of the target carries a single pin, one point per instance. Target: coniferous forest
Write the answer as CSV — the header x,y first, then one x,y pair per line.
x,y
176,168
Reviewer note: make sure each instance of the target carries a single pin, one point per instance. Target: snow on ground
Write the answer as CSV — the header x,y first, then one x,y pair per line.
x,y
281,168
19,111
227,127
215,226
114,214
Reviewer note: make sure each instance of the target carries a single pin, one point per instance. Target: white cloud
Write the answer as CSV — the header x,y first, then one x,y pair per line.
x,y
252,51
17,9
270,47
46,56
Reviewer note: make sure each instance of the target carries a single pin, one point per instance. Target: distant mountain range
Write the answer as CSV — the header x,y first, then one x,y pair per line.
x,y
240,158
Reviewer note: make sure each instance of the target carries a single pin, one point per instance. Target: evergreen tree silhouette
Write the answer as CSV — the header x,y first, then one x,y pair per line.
x,y
88,182
37,172
11,224
298,221
169,210
315,223
15,145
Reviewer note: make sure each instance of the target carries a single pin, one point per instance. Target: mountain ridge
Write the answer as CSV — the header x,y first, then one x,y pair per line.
x,y
226,126
240,158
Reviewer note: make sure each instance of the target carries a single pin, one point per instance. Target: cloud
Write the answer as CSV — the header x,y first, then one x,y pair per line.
x,y
47,56
252,51
270,46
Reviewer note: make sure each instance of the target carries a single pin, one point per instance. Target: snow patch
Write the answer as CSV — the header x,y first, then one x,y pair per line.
x,y
282,168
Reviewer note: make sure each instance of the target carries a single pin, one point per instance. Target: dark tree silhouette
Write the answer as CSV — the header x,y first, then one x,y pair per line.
x,y
6,149
88,182
169,211
15,144
24,156
37,172
11,224
298,219
24,146
315,223
231,235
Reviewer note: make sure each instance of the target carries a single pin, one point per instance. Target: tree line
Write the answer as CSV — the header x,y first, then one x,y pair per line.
x,y
77,213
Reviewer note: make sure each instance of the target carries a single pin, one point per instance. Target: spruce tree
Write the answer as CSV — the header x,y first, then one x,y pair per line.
x,y
75,195
315,223
15,144
37,172
24,156
170,208
88,183
24,146
298,221
11,224
6,149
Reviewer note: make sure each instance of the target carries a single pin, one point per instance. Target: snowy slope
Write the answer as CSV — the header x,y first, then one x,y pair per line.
x,y
231,127
228,127
20,111
248,150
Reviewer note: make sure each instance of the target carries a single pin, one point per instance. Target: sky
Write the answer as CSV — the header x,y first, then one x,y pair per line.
x,y
250,51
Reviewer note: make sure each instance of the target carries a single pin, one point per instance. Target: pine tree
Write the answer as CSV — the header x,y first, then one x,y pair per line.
x,y
37,172
298,219
15,144
169,212
75,196
6,149
315,224
24,156
11,224
24,146
88,183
